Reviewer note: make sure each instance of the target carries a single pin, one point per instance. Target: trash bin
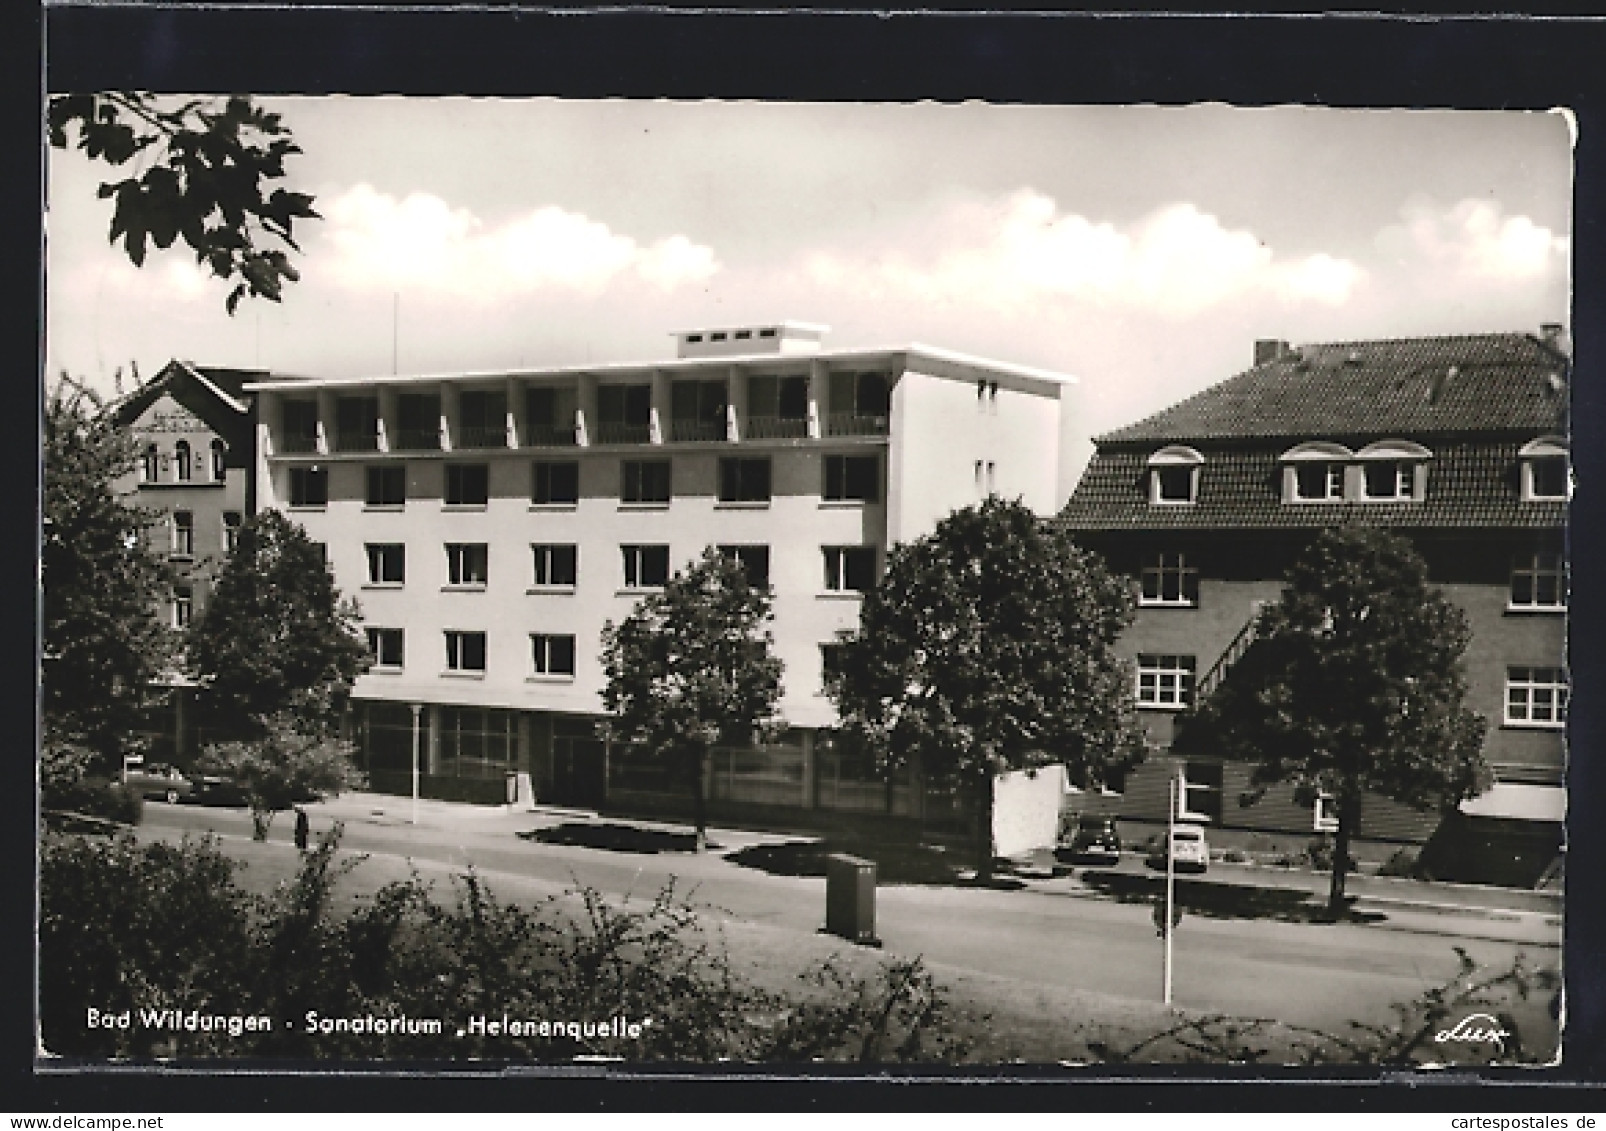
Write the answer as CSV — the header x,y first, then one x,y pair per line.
x,y
850,898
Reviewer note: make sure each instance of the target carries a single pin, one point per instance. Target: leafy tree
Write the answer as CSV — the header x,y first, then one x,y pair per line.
x,y
205,164
1353,685
104,641
690,667
988,647
288,764
276,635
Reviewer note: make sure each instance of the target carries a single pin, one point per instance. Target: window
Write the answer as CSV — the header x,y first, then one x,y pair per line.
x,y
754,560
697,410
1389,479
387,563
644,481
1536,697
1539,581
555,566
418,422
219,468
467,484
181,460
1319,482
1201,789
1174,475
477,742
309,486
849,568
300,419
777,407
465,652
549,416
555,483
482,419
183,534
624,414
860,404
1165,681
466,564
744,480
646,567
150,465
552,655
183,606
385,646
357,424
1168,579
852,478
1544,469
231,531
387,486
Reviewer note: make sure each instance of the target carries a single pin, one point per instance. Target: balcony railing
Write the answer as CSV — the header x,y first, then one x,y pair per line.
x,y
418,439
776,427
686,431
622,432
856,424
298,442
549,436
481,436
360,440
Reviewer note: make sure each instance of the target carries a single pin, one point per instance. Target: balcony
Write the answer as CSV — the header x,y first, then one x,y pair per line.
x,y
549,436
690,431
418,440
481,436
856,424
357,440
776,428
298,443
623,432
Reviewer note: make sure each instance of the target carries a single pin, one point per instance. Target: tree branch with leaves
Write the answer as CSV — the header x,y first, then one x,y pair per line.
x,y
201,173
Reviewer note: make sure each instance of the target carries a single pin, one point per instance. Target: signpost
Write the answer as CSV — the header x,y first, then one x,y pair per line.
x,y
417,708
1176,810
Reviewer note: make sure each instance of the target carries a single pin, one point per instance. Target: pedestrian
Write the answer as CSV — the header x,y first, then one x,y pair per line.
x,y
301,828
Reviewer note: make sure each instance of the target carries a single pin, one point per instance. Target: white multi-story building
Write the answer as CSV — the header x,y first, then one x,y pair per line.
x,y
491,523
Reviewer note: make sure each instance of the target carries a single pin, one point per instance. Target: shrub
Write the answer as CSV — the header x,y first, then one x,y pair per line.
x,y
1320,854
1402,863
1234,856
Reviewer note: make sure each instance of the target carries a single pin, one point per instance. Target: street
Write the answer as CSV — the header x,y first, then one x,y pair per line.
x,y
1318,975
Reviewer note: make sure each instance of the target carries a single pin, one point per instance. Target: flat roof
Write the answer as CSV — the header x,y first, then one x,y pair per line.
x,y
909,353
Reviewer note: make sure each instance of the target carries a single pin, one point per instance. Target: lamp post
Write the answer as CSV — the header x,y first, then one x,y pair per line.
x,y
1170,875
417,710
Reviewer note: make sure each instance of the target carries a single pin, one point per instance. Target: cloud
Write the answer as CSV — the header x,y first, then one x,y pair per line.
x,y
1021,251
1473,242
375,241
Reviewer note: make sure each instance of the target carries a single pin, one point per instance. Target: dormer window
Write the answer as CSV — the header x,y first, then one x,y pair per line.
x,y
1544,470
1315,473
1394,471
1174,476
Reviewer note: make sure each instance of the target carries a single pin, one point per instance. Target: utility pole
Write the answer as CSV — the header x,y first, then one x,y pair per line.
x,y
417,708
1168,924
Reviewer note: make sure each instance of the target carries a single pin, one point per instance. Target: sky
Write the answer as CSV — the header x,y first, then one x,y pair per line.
x,y
1140,250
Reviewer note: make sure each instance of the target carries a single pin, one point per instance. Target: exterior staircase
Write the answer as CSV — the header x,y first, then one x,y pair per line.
x,y
1230,655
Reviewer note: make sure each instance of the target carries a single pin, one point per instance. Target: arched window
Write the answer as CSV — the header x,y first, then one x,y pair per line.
x,y
1314,472
1394,471
1174,476
181,460
1544,470
218,451
150,465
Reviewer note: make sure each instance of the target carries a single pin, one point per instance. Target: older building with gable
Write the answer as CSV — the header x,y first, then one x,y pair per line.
x,y
1458,443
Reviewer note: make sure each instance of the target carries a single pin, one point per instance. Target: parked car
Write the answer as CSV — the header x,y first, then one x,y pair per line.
x,y
1189,850
1095,842
215,789
157,779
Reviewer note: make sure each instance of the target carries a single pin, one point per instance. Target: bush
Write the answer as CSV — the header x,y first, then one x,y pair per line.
x,y
1402,863
119,933
1320,854
1234,856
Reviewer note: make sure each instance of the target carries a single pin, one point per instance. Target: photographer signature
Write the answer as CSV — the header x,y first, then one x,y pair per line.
x,y
1475,1028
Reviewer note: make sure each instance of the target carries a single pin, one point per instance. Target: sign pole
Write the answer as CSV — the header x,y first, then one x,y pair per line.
x,y
1170,880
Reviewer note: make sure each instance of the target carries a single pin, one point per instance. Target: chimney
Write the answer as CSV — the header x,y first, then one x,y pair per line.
x,y
1554,335
1269,349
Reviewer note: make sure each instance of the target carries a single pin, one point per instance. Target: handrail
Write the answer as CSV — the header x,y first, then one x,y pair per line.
x,y
1231,655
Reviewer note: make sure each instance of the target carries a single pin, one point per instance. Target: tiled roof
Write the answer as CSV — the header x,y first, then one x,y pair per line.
x,y
1397,387
1470,484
